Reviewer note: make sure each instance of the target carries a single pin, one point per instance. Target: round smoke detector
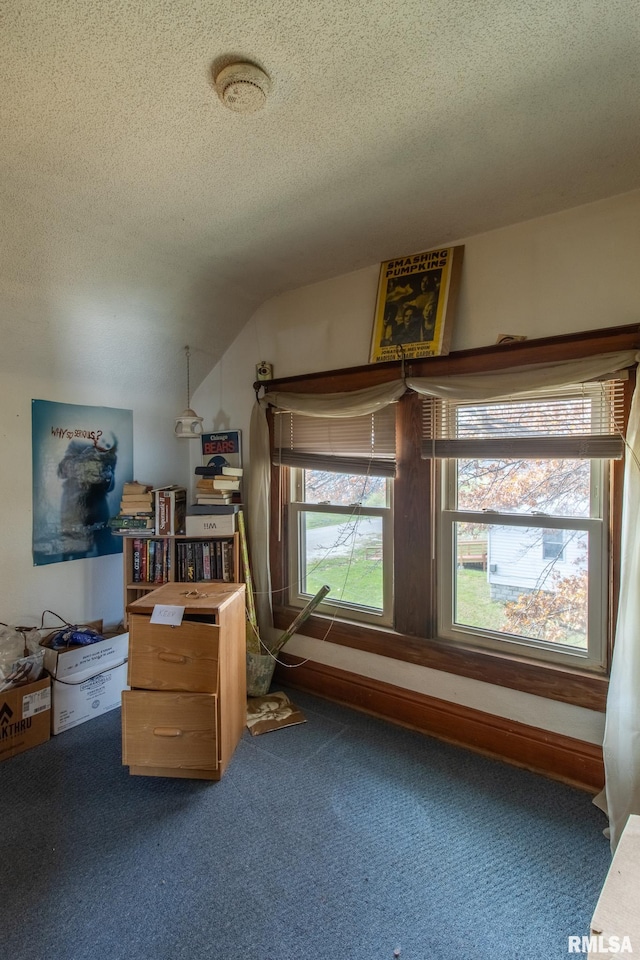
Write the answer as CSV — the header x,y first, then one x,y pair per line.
x,y
243,87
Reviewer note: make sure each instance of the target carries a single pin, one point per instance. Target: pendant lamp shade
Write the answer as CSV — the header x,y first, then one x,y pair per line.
x,y
188,424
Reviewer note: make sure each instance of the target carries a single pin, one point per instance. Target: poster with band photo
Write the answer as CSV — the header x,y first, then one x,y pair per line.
x,y
417,297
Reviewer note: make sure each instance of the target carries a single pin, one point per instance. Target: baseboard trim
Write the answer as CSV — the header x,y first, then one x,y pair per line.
x,y
572,761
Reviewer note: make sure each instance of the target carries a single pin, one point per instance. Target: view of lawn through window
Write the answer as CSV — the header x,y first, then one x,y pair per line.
x,y
508,579
520,527
343,549
521,531
528,581
492,529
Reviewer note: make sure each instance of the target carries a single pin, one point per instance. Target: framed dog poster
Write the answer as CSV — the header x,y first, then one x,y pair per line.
x,y
416,303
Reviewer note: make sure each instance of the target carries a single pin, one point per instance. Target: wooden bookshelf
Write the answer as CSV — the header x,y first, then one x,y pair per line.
x,y
150,562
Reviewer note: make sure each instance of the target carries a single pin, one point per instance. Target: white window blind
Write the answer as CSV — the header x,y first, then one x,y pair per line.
x,y
579,421
351,445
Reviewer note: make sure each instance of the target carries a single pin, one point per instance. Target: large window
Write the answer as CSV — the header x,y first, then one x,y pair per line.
x,y
341,535
538,519
475,537
340,511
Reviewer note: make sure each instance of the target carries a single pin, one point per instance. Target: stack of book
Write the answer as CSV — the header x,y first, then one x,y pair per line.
x,y
218,492
218,484
136,510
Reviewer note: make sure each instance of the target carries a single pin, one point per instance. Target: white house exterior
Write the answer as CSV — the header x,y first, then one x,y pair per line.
x,y
522,559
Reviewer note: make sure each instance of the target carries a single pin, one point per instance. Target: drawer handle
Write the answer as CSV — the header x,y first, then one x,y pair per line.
x,y
167,732
172,657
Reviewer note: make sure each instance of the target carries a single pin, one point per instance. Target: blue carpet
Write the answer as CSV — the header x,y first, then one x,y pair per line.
x,y
343,838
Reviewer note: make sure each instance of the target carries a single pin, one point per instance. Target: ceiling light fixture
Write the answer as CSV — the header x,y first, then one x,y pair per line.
x,y
188,424
242,87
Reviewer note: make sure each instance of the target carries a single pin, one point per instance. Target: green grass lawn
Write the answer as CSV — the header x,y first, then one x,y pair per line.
x,y
317,520
354,580
474,605
475,608
358,579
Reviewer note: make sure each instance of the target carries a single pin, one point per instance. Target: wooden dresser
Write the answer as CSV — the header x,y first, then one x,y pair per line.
x,y
186,710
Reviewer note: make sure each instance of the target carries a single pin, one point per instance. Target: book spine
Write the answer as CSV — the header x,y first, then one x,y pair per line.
x,y
157,561
163,514
137,560
151,560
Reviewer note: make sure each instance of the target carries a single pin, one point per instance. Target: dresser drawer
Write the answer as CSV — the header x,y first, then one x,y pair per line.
x,y
162,657
174,731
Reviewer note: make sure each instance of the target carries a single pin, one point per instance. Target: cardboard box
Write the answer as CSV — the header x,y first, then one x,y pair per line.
x,y
76,700
25,717
213,525
85,662
86,681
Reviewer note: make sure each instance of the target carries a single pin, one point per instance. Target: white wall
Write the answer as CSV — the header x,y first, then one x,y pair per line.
x,y
559,274
77,589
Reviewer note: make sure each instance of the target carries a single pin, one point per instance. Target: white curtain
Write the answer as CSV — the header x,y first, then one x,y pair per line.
x,y
622,735
621,795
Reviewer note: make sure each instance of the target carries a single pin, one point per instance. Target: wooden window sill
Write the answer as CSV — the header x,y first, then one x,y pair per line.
x,y
551,681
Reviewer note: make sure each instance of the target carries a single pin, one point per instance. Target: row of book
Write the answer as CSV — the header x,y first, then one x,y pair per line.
x,y
204,560
195,560
151,561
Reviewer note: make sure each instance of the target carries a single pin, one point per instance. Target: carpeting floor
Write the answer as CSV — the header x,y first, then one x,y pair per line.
x,y
342,838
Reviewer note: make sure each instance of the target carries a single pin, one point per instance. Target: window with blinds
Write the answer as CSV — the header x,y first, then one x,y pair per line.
x,y
350,445
579,421
523,521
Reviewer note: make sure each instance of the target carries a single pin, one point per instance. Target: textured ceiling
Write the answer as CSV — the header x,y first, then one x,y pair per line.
x,y
135,203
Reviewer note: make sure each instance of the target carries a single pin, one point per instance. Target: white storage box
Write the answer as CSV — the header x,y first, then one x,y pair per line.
x,y
86,681
205,525
89,660
74,701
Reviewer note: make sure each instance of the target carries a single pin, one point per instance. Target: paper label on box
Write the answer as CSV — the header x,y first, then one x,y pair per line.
x,y
34,703
167,613
204,525
74,703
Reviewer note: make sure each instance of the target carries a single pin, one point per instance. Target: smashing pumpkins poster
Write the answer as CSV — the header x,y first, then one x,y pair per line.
x,y
81,458
417,297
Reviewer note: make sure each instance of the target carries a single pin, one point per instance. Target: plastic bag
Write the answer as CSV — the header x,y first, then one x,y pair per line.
x,y
21,659
71,635
25,670
11,648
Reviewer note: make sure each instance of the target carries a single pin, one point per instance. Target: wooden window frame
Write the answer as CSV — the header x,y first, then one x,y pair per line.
x,y
414,552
